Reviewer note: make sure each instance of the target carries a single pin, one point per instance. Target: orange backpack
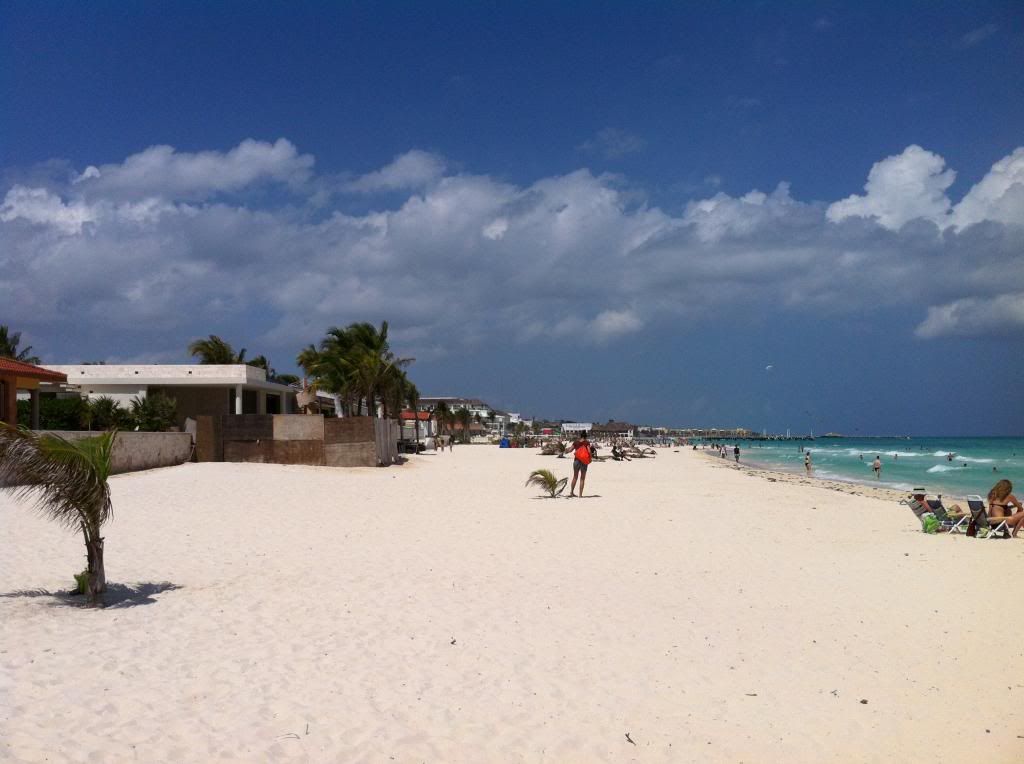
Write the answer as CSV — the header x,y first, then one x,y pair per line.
x,y
583,453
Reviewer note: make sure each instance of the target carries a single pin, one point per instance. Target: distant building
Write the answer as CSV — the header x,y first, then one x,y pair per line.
x,y
570,429
492,421
613,429
198,389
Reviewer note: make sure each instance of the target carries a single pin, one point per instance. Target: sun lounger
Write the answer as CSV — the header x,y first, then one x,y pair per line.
x,y
919,509
980,518
949,524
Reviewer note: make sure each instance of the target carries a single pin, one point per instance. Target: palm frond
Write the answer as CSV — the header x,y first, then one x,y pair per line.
x,y
546,481
66,480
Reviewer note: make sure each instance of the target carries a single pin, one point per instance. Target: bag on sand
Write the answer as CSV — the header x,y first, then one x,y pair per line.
x,y
929,523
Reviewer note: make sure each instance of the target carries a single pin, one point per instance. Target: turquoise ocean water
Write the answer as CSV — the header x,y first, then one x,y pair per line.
x,y
906,463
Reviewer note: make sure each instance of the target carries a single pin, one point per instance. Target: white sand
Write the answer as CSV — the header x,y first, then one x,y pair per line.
x,y
437,612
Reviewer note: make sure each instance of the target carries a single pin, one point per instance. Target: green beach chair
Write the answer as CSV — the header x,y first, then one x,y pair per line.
x,y
949,524
981,522
923,514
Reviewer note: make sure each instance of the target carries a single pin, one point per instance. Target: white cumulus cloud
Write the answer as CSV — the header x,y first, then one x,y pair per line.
x,y
901,188
39,206
973,317
412,170
998,196
465,259
163,171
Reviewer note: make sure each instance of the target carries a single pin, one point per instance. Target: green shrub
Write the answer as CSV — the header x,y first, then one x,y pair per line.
x,y
105,413
54,413
154,413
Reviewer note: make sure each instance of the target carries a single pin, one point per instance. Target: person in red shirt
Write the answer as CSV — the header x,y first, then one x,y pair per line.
x,y
583,454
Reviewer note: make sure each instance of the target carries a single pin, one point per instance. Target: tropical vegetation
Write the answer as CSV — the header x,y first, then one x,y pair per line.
x,y
154,413
67,481
546,481
356,366
214,350
9,342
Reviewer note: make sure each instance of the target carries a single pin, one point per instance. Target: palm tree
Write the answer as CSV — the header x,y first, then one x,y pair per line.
x,y
412,400
546,481
463,417
329,372
442,414
372,361
356,364
214,350
68,483
9,347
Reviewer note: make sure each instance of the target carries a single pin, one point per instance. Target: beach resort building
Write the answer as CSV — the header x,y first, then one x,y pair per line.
x,y
612,429
485,417
198,389
572,429
18,376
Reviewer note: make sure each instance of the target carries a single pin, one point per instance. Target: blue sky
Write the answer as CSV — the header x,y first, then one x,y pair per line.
x,y
587,210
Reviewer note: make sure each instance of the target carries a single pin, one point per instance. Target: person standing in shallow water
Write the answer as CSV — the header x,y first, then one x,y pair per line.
x,y
807,461
736,452
582,456
877,467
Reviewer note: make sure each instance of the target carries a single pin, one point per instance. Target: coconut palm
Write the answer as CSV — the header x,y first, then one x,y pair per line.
x,y
546,481
329,371
9,347
442,414
412,400
356,364
214,350
463,417
67,480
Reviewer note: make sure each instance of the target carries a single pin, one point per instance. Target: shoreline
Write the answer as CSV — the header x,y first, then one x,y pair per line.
x,y
852,487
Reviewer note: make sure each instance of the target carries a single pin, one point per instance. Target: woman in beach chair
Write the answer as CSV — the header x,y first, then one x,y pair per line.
x,y
1004,507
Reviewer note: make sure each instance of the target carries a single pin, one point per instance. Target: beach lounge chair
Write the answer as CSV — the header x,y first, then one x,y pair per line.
x,y
949,524
980,519
919,509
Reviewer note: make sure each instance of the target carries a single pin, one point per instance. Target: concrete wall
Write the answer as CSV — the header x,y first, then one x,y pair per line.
x,y
196,401
143,450
298,439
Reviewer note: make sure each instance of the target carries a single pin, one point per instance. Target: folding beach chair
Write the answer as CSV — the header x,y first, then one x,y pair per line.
x,y
949,524
923,513
918,508
981,521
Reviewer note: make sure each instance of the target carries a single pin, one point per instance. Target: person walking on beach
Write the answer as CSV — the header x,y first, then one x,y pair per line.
x,y
736,452
807,461
582,456
877,467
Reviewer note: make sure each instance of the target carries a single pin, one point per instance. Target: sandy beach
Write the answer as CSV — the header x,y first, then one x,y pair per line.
x,y
439,611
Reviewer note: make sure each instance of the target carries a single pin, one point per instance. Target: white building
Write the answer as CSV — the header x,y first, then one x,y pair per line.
x,y
575,428
198,389
496,422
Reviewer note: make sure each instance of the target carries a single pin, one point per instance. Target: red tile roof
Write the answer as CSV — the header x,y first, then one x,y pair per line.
x,y
10,367
423,416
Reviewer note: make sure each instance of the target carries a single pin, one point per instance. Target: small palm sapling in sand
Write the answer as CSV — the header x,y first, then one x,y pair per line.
x,y
546,481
